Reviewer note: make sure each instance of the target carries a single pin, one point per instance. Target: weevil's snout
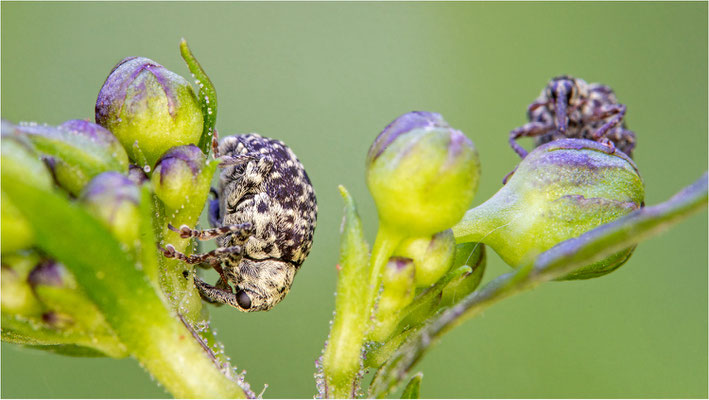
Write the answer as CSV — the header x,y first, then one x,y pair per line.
x,y
262,284
562,92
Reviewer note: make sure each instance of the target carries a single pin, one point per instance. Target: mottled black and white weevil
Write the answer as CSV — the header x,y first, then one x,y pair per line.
x,y
264,216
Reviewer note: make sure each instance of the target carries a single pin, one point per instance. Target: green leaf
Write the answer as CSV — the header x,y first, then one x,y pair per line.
x,y
558,261
122,292
71,350
413,388
33,332
207,96
342,358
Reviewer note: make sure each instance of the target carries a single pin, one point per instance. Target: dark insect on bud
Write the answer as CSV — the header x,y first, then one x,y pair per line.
x,y
569,107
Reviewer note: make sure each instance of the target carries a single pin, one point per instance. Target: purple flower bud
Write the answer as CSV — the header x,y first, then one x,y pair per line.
x,y
179,173
76,151
422,174
149,108
398,291
114,198
433,256
49,273
559,191
137,174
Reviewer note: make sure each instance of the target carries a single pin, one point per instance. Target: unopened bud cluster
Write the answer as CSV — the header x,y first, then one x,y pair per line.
x,y
40,292
423,175
147,122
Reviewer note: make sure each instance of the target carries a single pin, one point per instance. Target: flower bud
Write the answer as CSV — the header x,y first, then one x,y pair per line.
x,y
19,159
559,191
16,296
432,256
76,151
149,108
114,199
180,173
397,292
51,273
137,174
422,174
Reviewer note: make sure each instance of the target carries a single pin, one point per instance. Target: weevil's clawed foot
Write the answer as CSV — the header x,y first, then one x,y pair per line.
x,y
184,231
508,176
608,144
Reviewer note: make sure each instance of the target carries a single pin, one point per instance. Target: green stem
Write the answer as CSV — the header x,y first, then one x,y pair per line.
x,y
384,245
478,224
342,360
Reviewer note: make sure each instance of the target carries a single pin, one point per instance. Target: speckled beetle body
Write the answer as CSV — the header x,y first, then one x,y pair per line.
x,y
264,217
569,107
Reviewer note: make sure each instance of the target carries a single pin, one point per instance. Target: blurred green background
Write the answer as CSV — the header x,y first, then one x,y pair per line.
x,y
326,78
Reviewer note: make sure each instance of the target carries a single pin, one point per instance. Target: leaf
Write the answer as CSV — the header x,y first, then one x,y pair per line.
x,y
341,361
413,388
207,96
68,350
556,262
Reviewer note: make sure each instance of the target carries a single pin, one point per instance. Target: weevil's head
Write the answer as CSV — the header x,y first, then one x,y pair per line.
x,y
261,284
563,93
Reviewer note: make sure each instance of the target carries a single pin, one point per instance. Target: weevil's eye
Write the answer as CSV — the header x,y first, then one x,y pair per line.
x,y
243,300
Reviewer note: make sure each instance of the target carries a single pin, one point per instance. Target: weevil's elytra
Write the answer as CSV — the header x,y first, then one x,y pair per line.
x,y
569,107
264,216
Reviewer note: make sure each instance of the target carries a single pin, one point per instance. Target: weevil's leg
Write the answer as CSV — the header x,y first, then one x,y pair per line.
x,y
242,230
610,146
508,176
616,110
210,257
216,295
225,161
536,105
222,283
215,143
530,129
211,293
624,139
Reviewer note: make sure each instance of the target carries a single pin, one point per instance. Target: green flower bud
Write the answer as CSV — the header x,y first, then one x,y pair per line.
x,y
432,256
20,159
179,174
114,199
397,292
559,191
16,295
422,174
76,151
149,108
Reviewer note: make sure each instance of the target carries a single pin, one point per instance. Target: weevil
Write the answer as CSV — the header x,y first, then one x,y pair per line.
x,y
263,219
569,107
